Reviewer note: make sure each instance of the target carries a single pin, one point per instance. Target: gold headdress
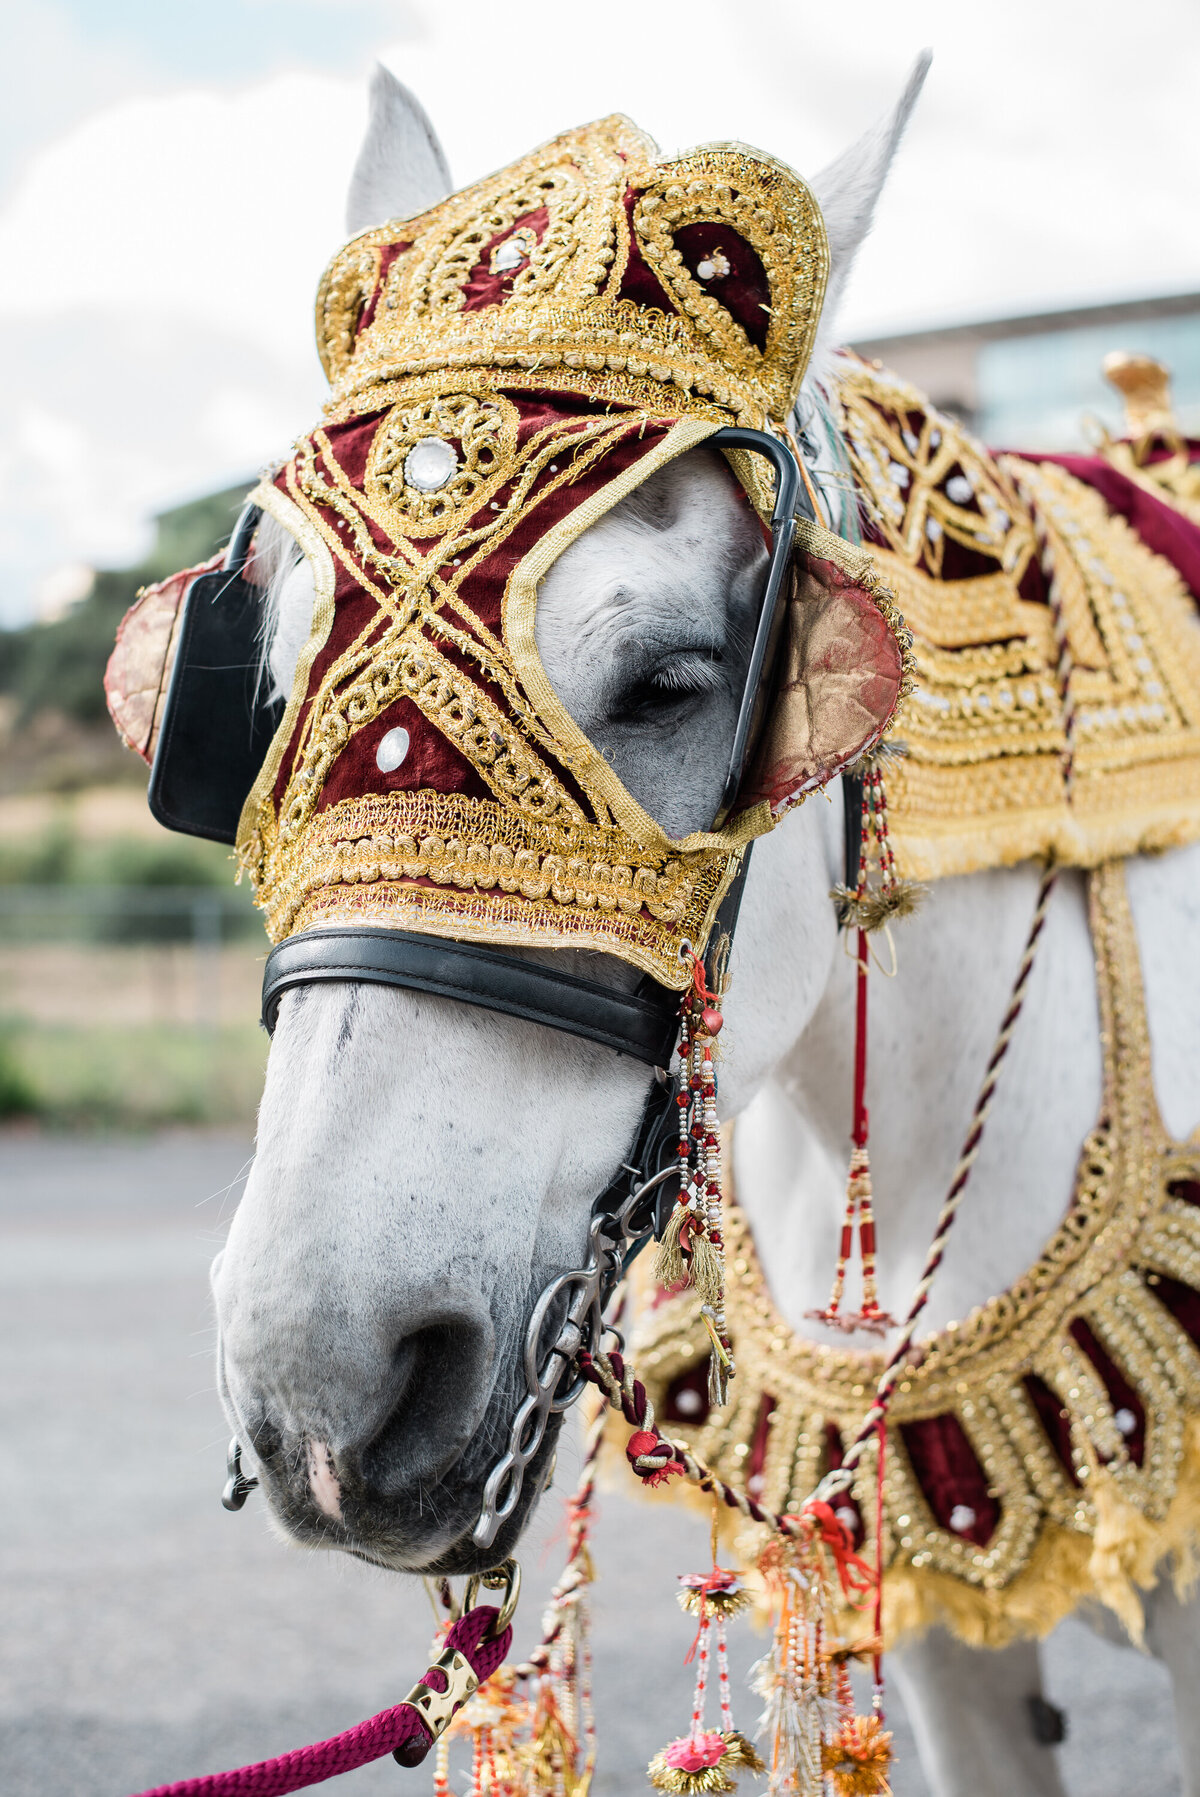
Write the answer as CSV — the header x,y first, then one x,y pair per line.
x,y
505,368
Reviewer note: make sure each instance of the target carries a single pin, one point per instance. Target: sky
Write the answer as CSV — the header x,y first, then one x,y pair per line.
x,y
172,183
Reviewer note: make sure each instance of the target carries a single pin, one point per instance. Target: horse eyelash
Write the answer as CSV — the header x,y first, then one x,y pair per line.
x,y
691,676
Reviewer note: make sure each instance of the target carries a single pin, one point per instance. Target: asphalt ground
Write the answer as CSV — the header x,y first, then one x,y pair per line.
x,y
147,1635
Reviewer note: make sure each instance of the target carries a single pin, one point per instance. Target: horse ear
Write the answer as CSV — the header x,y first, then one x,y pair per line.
x,y
842,670
849,189
401,168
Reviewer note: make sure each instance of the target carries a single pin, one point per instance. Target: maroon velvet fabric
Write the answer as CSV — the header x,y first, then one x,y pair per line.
x,y
639,283
1186,1189
835,1453
387,257
484,288
757,1458
945,1467
694,1382
1121,1395
744,292
1159,525
433,763
1055,1420
1183,1302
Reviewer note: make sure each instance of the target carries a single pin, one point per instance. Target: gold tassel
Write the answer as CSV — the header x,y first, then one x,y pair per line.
x,y
707,1271
877,906
669,1267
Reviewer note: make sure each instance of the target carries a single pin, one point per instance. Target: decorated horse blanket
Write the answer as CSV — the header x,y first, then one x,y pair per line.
x,y
1045,1449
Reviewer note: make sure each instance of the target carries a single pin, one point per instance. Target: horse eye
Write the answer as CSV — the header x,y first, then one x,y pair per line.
x,y
672,684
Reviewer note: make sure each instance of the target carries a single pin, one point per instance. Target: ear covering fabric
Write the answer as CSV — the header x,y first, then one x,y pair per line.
x,y
840,674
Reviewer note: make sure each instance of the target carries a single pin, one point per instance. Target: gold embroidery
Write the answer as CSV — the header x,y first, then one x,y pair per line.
x,y
560,316
1124,1229
486,434
463,713
495,877
438,372
981,785
763,203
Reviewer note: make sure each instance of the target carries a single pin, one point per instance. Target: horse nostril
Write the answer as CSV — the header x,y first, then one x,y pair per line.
x,y
442,1373
323,1480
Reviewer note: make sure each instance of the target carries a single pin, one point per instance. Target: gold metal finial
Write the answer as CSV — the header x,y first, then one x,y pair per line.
x,y
1145,386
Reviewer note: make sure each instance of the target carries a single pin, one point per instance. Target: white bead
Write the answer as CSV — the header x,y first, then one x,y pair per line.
x,y
429,464
1126,1421
962,1518
688,1402
959,489
506,255
392,750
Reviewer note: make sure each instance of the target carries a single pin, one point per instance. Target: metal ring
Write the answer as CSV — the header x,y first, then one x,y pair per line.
x,y
507,1578
237,1485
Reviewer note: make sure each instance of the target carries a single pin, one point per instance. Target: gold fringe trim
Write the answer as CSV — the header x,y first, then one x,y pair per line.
x,y
1064,1570
931,849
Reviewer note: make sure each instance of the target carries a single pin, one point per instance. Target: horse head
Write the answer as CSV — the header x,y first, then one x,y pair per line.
x,y
425,1168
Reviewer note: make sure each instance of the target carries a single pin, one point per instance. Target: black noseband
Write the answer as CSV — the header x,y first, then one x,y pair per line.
x,y
643,1024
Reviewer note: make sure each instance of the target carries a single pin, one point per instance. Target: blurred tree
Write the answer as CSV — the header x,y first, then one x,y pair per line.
x,y
59,666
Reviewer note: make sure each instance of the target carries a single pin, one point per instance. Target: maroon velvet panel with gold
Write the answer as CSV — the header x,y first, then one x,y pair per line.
x,y
505,369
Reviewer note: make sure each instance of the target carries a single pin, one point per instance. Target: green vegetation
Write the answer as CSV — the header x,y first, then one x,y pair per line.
x,y
59,666
139,1077
57,855
74,873
17,1095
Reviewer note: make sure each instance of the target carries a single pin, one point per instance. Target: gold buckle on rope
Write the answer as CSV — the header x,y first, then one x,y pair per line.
x,y
436,1708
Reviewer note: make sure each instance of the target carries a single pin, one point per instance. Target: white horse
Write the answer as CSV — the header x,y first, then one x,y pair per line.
x,y
423,1167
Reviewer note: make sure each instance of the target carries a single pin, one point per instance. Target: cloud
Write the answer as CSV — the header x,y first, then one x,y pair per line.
x,y
107,421
158,258
64,59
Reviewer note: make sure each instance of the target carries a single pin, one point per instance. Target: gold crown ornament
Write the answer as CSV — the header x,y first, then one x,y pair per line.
x,y
505,368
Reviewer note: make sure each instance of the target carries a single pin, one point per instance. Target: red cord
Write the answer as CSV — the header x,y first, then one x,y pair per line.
x,y
860,1046
398,1728
877,1658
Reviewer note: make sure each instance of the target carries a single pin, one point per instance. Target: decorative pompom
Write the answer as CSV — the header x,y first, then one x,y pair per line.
x,y
743,1753
693,1763
858,1758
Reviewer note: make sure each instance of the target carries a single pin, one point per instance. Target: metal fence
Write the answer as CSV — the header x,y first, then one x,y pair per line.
x,y
174,937
207,916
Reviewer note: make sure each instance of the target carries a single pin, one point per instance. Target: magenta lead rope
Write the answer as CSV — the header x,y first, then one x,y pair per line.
x,y
408,1730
